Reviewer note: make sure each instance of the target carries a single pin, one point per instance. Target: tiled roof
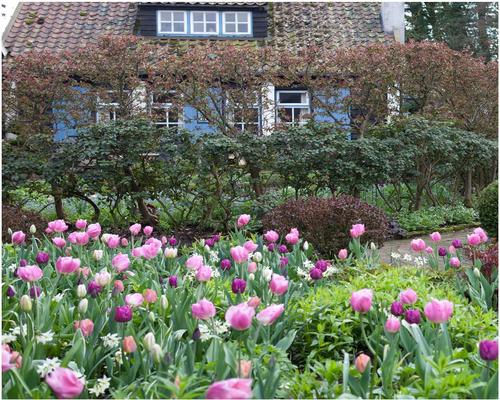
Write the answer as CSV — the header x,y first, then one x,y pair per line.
x,y
65,25
331,25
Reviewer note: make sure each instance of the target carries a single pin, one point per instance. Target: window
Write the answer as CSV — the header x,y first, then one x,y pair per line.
x,y
247,120
172,22
205,22
293,107
236,23
108,106
163,113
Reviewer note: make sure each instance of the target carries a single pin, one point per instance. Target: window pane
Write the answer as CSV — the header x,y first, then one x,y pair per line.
x,y
291,97
166,27
285,114
166,16
173,116
230,28
230,17
198,27
211,17
211,27
179,27
159,115
178,16
243,28
242,17
197,16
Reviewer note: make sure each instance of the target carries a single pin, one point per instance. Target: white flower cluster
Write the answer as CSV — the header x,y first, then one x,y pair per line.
x,y
217,328
303,271
12,267
45,337
48,365
111,340
14,333
58,297
330,271
267,273
214,257
101,385
119,357
80,372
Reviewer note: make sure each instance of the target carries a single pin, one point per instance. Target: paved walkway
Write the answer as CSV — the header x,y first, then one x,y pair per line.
x,y
402,246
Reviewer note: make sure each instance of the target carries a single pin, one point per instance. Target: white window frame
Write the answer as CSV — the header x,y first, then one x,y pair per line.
x,y
306,105
108,108
159,21
166,108
236,33
205,33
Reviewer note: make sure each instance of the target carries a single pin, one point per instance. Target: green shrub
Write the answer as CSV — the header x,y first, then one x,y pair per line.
x,y
433,218
326,221
488,209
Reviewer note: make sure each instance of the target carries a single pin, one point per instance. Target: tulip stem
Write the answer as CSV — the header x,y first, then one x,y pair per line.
x,y
365,338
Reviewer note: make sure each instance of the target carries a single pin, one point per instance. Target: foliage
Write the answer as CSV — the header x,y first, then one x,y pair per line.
x,y
433,218
326,221
488,258
488,208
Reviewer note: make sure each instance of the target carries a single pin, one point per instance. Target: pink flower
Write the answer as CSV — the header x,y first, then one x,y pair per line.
x,y
150,296
6,359
94,230
67,265
291,238
148,230
118,286
80,238
361,362
58,225
30,273
357,230
240,316
85,325
204,309
392,325
113,241
418,245
438,311
361,301
194,262
204,273
150,251
429,250
342,254
135,229
134,299
452,249
120,262
408,296
136,252
124,242
239,254
81,224
252,267
59,242
250,246
18,237
253,302
474,239
435,236
103,278
234,388
129,345
243,220
64,383
482,234
271,236
278,284
454,262
270,314
294,231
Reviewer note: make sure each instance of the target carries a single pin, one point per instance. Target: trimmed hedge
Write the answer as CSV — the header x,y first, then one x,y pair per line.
x,y
488,209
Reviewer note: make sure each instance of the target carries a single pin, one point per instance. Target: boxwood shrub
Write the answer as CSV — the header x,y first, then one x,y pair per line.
x,y
488,209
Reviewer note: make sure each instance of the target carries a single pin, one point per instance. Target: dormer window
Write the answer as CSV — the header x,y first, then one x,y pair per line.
x,y
205,23
236,23
172,22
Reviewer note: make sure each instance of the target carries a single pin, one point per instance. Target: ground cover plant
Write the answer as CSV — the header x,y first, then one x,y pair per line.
x,y
241,316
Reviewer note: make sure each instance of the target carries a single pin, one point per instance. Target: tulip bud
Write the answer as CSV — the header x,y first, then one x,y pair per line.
x,y
32,229
81,291
25,303
149,341
163,302
257,256
151,316
170,252
98,254
9,231
129,345
305,246
82,306
361,362
477,273
156,352
373,246
207,247
251,277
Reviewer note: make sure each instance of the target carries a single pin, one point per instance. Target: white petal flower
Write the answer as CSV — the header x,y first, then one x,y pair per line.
x,y
111,340
47,366
45,337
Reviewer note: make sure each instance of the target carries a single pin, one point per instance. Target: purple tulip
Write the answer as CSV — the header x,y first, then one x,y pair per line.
x,y
322,265
172,241
488,350
271,246
457,244
225,264
11,292
210,242
123,314
93,289
238,285
412,316
316,273
397,308
35,291
196,334
442,251
23,262
283,262
216,237
172,281
283,249
42,257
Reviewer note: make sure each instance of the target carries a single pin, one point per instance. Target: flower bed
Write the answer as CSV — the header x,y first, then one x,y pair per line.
x,y
91,314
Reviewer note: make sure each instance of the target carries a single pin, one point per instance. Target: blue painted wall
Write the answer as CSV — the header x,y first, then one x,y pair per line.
x,y
66,126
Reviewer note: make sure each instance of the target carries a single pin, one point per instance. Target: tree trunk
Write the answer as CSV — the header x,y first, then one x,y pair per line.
x,y
56,192
468,189
418,196
255,179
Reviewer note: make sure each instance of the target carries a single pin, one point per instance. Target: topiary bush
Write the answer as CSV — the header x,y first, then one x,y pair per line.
x,y
488,209
325,222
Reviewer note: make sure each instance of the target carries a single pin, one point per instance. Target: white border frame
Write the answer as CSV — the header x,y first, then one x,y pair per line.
x,y
249,23
217,25
158,23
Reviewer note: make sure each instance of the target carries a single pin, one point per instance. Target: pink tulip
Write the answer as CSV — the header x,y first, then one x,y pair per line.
x,y
240,316
270,314
204,273
342,254
408,296
361,301
150,296
294,231
252,267
135,299
81,224
452,249
85,325
278,284
113,241
136,252
204,309
94,230
392,325
292,239
118,286
129,345
253,302
418,245
435,236
120,262
18,237
429,250
271,236
67,265
239,254
235,388
124,242
58,225
454,262
474,239
7,363
245,368
64,383
135,229
250,246
80,238
438,311
243,220
150,251
148,230
482,234
361,362
59,242
30,273
194,262
357,230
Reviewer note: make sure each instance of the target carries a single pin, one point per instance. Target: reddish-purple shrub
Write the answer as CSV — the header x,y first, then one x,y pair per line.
x,y
325,222
487,256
